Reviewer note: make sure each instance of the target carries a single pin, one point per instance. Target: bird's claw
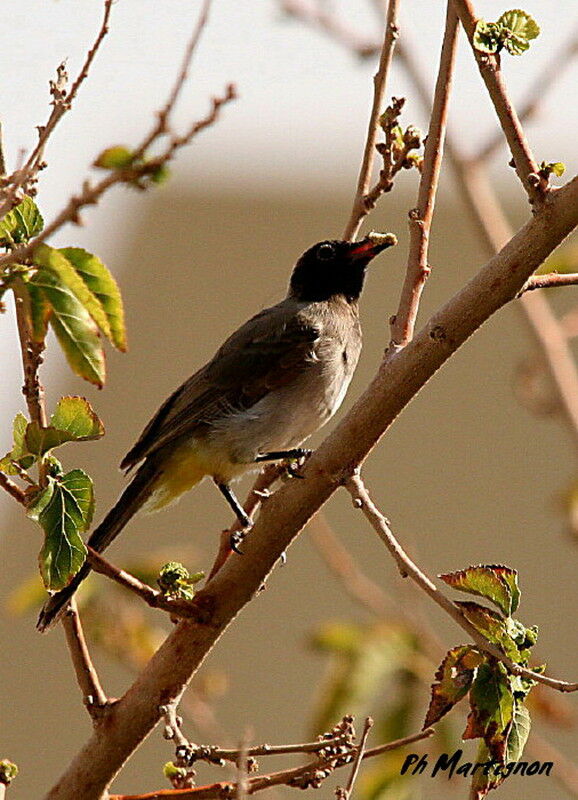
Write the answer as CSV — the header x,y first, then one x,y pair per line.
x,y
294,466
236,540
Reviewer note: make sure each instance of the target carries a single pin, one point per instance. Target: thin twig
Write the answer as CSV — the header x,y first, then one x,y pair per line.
x,y
547,77
551,280
62,103
321,18
346,794
241,790
94,696
408,568
90,194
489,67
289,777
211,754
152,597
12,489
420,218
359,210
165,112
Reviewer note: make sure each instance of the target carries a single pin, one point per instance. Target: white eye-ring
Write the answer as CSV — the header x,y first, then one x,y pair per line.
x,y
326,251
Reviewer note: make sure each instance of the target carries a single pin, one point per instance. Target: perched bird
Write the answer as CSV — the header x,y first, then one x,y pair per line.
x,y
274,382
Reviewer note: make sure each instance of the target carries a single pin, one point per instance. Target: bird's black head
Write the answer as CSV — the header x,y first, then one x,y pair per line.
x,y
334,268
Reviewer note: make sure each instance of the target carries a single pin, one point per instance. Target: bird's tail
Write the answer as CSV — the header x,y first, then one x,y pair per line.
x,y
130,501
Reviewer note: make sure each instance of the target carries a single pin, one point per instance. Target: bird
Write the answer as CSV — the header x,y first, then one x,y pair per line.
x,y
273,383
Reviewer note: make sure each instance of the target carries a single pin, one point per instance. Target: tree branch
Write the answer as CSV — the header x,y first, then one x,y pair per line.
x,y
289,777
61,103
322,19
550,280
489,67
399,379
548,76
408,569
94,696
420,218
359,210
152,597
12,489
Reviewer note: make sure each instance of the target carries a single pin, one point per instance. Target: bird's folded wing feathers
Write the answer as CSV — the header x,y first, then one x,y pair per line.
x,y
266,353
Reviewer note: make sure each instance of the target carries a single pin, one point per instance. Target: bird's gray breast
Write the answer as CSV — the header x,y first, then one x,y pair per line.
x,y
289,414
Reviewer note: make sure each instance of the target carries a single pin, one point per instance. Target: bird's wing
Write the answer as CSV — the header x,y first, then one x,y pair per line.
x,y
264,354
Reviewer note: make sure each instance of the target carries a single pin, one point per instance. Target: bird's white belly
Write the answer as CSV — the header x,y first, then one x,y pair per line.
x,y
285,417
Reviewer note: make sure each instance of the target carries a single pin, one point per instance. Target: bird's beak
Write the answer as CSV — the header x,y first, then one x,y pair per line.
x,y
368,248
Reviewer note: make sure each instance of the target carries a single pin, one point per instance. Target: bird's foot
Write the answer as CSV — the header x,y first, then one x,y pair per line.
x,y
235,541
293,467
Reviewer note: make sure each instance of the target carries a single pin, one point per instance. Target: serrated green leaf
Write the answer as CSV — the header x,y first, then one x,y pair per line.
x,y
452,682
495,582
21,223
40,311
492,626
492,709
74,328
62,518
486,37
81,488
39,503
116,157
519,732
76,416
520,24
65,272
19,452
41,440
516,45
104,287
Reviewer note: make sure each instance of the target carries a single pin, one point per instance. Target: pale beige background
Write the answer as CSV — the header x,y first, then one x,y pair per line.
x,y
465,475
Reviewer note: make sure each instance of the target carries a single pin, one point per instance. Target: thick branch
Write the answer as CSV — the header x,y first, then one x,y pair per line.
x,y
420,218
359,209
286,512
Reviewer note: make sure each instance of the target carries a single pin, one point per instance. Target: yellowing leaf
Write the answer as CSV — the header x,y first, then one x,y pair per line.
x,y
104,287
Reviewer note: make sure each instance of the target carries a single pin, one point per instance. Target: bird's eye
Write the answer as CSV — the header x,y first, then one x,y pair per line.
x,y
325,251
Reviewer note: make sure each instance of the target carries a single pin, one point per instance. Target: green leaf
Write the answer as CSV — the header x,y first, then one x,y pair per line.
x,y
486,37
73,420
19,452
515,45
160,174
116,157
79,485
453,680
58,511
492,626
176,581
492,709
104,288
21,223
495,582
74,328
40,311
76,416
557,168
8,771
519,732
58,264
520,24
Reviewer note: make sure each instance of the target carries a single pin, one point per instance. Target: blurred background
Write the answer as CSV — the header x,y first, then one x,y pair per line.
x,y
467,474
